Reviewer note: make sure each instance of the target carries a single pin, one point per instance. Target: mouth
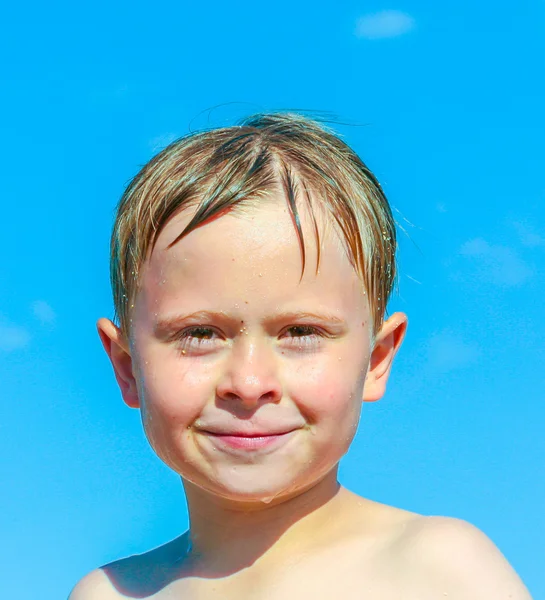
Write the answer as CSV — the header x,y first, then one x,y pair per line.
x,y
249,441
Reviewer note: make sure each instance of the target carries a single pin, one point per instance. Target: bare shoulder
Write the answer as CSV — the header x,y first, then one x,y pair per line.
x,y
462,560
94,586
137,576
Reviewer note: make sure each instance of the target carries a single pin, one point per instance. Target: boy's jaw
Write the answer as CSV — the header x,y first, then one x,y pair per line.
x,y
242,404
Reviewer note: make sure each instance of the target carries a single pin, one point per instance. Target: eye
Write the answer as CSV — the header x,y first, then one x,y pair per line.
x,y
301,331
302,336
198,338
201,333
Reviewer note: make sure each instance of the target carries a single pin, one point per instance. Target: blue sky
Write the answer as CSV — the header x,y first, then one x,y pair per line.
x,y
443,101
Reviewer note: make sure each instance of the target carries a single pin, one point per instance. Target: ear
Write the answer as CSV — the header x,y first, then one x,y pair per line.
x,y
387,343
118,351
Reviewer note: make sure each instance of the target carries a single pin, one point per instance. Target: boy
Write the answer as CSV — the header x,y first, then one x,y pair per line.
x,y
251,267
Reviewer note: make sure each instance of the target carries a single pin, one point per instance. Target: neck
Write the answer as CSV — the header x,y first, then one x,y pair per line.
x,y
226,537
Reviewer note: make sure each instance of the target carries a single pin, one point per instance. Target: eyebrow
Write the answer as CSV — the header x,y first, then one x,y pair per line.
x,y
306,316
164,326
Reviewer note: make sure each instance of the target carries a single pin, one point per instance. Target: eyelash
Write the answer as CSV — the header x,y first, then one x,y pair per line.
x,y
310,338
188,339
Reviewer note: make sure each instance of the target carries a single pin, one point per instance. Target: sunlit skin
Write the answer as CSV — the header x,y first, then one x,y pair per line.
x,y
229,339
231,343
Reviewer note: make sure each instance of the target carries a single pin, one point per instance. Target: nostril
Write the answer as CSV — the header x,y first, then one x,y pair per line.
x,y
269,396
242,398
231,396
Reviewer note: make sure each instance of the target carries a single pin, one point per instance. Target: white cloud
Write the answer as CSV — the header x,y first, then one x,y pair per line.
x,y
498,264
43,312
528,236
384,24
447,351
13,337
161,141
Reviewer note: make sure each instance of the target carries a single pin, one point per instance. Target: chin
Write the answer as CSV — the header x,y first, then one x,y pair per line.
x,y
256,491
246,487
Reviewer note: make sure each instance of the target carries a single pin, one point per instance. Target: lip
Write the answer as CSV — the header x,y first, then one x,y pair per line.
x,y
247,441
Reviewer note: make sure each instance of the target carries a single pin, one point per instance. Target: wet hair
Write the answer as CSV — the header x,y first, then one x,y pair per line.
x,y
213,171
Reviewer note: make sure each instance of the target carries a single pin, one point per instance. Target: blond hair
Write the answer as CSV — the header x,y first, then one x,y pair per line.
x,y
214,170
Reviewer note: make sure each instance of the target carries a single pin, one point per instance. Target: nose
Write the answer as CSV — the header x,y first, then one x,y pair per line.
x,y
250,377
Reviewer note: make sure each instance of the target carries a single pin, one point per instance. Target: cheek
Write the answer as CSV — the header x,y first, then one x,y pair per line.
x,y
173,389
331,392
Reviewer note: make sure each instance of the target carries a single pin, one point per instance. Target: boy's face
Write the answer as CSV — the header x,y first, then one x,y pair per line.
x,y
250,379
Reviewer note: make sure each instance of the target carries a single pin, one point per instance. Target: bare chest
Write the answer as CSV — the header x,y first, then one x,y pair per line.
x,y
337,578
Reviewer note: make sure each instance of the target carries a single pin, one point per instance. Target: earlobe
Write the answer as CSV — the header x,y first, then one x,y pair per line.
x,y
118,351
388,342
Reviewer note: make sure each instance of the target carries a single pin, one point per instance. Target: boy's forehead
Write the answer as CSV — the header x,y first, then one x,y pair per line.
x,y
252,248
251,230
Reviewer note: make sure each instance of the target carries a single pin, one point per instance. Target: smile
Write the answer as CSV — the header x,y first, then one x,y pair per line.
x,y
249,442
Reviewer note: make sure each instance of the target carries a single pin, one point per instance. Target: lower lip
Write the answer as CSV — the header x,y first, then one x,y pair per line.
x,y
239,442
